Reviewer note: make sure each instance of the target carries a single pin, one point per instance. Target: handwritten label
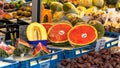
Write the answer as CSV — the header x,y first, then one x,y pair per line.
x,y
100,44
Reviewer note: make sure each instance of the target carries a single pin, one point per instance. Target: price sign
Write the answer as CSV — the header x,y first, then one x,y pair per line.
x,y
100,44
111,10
119,41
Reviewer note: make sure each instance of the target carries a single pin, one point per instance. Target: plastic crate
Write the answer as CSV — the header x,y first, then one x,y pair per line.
x,y
28,63
38,62
11,63
77,52
111,34
53,63
80,51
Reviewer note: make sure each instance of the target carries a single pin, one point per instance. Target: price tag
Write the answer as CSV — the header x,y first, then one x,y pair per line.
x,y
111,10
100,44
119,41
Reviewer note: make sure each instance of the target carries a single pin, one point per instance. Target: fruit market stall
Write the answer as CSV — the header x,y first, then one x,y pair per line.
x,y
60,33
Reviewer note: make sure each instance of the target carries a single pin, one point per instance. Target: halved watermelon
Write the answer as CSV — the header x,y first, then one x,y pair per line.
x,y
47,26
57,34
22,47
82,35
40,50
6,50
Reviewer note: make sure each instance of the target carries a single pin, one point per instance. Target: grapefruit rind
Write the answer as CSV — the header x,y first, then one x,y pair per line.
x,y
75,44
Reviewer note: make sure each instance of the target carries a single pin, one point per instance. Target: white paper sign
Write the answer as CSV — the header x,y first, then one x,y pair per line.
x,y
111,10
119,41
100,44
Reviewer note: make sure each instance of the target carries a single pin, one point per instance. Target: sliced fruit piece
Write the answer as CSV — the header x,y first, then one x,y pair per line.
x,y
40,50
47,26
6,50
22,47
36,31
82,35
57,34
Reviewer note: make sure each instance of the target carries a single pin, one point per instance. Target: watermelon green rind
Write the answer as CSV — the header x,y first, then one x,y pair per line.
x,y
99,27
3,54
40,50
22,49
41,53
44,48
61,44
91,44
72,43
58,41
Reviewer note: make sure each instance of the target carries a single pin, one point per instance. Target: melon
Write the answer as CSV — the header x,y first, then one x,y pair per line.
x,y
69,8
86,3
36,31
82,35
56,6
58,15
57,34
98,3
74,18
99,27
47,26
40,50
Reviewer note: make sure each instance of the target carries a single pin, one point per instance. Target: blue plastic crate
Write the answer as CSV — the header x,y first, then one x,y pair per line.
x,y
43,61
54,63
12,63
77,52
27,63
111,34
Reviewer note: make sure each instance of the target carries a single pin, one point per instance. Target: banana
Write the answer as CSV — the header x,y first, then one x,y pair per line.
x,y
36,31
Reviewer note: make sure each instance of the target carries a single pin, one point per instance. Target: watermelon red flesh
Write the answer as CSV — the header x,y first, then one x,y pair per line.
x,y
7,49
20,41
82,35
40,47
47,26
58,33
